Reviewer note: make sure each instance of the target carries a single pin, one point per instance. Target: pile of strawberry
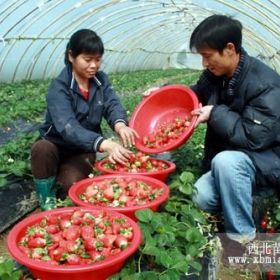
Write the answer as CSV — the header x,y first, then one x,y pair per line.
x,y
77,238
138,162
120,192
270,222
166,133
268,225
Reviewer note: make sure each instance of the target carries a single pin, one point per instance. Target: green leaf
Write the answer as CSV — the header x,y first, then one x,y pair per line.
x,y
164,259
193,214
7,267
181,266
157,222
278,217
187,177
119,276
171,275
193,235
7,270
145,215
173,206
174,184
186,189
3,181
165,276
196,265
146,233
150,250
146,275
127,272
192,249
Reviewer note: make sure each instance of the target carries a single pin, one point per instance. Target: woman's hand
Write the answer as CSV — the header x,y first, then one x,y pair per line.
x,y
203,114
126,134
149,91
117,153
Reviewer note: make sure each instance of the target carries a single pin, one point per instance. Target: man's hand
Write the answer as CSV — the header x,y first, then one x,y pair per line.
x,y
126,134
203,114
117,153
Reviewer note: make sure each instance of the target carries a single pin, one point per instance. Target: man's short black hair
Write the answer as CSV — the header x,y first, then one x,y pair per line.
x,y
215,32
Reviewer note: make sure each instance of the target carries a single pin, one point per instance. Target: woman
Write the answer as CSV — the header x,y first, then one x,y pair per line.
x,y
77,100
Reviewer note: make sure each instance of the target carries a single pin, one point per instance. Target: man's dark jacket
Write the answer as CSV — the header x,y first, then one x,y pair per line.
x,y
246,119
71,121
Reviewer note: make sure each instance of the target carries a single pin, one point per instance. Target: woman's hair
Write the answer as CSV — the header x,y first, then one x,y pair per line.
x,y
216,32
83,41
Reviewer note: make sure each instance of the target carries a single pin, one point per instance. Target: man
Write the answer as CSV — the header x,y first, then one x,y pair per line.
x,y
240,99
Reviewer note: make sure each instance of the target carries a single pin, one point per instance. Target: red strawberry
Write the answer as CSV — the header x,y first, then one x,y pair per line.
x,y
109,193
73,259
116,227
72,233
57,253
65,223
87,232
52,229
121,242
37,242
108,240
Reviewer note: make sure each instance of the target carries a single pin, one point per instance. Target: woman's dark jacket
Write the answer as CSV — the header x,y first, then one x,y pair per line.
x,y
74,123
245,118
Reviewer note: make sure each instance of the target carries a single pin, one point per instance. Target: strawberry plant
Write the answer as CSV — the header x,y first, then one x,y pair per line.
x,y
18,101
14,156
189,156
8,270
174,239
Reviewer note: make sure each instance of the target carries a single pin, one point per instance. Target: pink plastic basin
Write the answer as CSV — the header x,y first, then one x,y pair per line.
x,y
79,187
44,271
160,175
163,105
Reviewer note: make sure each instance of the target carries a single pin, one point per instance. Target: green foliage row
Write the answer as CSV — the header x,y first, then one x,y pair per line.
x,y
131,81
26,99
15,156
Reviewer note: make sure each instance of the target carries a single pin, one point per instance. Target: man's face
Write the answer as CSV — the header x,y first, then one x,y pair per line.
x,y
218,63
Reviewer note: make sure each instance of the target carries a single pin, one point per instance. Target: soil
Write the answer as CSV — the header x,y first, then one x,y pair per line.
x,y
3,249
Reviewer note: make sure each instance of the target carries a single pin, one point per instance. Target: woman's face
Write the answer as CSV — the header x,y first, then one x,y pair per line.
x,y
85,65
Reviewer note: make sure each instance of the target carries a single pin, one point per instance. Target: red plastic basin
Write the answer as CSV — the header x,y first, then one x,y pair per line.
x,y
79,187
163,105
160,175
45,271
